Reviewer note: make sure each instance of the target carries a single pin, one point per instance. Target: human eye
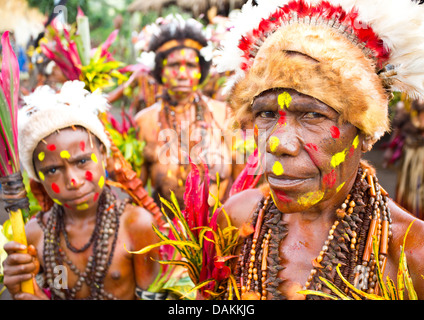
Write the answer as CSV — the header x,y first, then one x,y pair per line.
x,y
266,114
313,115
50,171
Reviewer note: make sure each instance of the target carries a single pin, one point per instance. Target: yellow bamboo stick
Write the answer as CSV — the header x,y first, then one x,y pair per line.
x,y
18,228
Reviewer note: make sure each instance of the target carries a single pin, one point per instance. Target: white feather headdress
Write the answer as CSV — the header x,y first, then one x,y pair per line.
x,y
398,23
46,111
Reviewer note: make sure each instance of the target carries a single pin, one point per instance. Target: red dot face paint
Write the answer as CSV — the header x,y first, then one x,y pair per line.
x,y
335,132
89,175
51,147
96,196
82,146
55,188
73,182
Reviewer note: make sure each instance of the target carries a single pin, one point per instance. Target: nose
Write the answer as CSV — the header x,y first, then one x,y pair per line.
x,y
284,141
73,179
182,72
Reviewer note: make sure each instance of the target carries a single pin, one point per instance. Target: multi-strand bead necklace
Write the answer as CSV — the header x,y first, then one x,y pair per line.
x,y
363,215
107,226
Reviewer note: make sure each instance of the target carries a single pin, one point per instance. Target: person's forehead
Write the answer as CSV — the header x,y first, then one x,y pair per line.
x,y
182,54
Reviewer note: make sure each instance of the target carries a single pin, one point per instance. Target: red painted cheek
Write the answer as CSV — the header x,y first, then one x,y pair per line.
x,y
282,197
89,176
96,196
55,188
351,151
335,132
330,179
312,150
82,146
51,147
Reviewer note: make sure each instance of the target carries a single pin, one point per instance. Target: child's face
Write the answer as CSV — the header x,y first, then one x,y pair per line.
x,y
71,168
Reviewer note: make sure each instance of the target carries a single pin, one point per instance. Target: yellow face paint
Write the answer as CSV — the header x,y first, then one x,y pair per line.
x,y
196,59
183,52
338,158
355,142
101,182
284,100
273,143
94,158
182,69
41,156
57,201
65,154
165,62
311,198
340,187
41,175
277,168
82,206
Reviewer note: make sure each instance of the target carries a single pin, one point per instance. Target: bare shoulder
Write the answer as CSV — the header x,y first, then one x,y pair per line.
x,y
241,206
220,109
137,219
148,116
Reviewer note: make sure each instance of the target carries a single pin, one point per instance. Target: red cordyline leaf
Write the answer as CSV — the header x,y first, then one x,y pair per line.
x,y
9,113
247,179
106,45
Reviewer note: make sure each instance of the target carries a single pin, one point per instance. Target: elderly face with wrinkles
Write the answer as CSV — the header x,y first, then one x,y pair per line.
x,y
310,156
70,166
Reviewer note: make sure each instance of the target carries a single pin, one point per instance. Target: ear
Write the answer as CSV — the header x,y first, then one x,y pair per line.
x,y
367,144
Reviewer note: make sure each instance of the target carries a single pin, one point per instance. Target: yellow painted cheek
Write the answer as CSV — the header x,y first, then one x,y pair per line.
x,y
101,182
311,198
277,168
340,187
41,156
338,158
41,175
284,100
65,154
355,142
273,143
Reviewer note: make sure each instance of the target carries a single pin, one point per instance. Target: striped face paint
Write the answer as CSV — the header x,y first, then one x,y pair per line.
x,y
96,196
41,175
277,168
57,201
340,157
82,146
330,179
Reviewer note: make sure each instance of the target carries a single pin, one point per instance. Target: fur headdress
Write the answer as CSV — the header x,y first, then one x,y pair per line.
x,y
349,54
46,111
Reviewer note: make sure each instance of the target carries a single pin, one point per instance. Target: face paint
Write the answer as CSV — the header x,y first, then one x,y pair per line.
x,y
277,168
82,146
41,156
82,206
183,69
340,187
273,143
65,154
256,131
57,201
96,196
55,187
280,196
165,62
311,198
41,175
89,175
94,158
284,100
101,182
330,179
282,120
338,158
73,182
335,132
51,147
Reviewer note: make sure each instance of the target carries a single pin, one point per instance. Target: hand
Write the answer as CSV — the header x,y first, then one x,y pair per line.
x,y
19,267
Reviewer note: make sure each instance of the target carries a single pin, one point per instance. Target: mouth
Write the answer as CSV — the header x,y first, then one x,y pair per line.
x,y
285,182
80,199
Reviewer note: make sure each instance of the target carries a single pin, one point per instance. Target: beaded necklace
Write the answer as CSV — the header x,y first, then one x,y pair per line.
x,y
107,226
364,214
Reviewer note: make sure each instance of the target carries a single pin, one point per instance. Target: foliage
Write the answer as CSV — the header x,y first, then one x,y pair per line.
x,y
203,247
388,290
